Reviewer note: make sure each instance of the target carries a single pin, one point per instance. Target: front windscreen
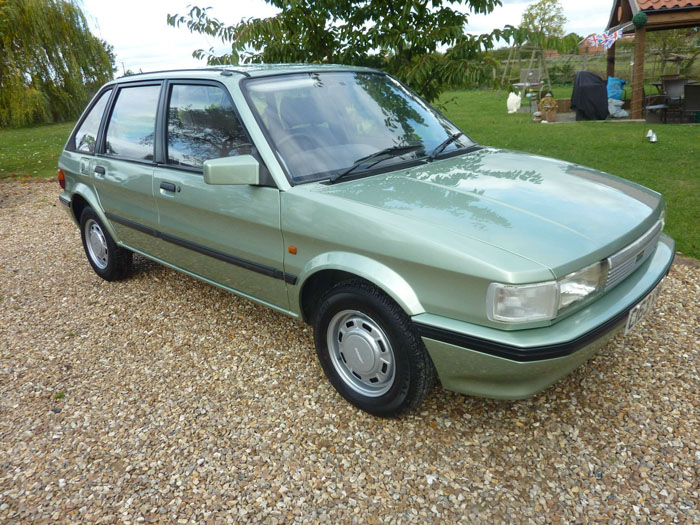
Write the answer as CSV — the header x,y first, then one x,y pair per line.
x,y
323,123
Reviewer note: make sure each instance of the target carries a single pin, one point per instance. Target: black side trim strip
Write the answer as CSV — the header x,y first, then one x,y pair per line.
x,y
537,353
236,261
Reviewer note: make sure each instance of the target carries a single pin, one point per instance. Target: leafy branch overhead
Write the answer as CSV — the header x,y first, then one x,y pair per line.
x,y
423,43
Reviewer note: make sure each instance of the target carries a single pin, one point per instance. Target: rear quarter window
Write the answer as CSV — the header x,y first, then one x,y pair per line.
x,y
132,125
86,136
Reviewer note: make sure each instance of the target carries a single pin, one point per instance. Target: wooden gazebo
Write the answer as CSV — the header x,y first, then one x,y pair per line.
x,y
661,14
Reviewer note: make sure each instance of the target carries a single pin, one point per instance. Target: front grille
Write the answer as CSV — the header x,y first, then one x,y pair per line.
x,y
628,259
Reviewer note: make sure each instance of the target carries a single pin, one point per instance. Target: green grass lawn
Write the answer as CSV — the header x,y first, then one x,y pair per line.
x,y
671,166
33,151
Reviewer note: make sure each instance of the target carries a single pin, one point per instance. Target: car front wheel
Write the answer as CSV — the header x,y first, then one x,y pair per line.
x,y
369,350
107,259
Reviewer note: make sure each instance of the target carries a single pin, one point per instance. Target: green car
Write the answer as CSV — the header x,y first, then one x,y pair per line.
x,y
337,196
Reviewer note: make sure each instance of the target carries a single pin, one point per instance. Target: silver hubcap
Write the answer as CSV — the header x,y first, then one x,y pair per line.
x,y
361,353
96,244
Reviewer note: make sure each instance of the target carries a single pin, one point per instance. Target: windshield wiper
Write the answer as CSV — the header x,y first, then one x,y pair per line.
x,y
378,156
449,140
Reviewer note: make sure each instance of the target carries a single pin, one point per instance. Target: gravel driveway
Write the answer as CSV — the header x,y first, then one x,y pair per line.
x,y
161,398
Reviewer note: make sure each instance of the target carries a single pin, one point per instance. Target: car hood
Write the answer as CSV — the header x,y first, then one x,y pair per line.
x,y
557,214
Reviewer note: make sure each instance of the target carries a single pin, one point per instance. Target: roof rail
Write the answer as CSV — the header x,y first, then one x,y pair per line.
x,y
244,73
222,69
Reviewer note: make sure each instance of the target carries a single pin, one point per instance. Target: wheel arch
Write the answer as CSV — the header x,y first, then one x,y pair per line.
x,y
326,270
82,196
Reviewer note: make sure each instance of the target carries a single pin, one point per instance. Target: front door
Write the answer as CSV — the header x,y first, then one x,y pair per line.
x,y
228,234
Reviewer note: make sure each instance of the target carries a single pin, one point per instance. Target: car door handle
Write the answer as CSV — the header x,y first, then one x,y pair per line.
x,y
99,170
168,186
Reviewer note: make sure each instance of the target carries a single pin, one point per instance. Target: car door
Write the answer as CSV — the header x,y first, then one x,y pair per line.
x,y
78,157
122,171
227,234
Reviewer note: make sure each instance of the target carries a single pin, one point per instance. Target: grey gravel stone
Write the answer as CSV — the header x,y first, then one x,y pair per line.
x,y
185,404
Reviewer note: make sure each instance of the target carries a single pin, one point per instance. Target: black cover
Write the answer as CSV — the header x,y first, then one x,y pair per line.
x,y
590,97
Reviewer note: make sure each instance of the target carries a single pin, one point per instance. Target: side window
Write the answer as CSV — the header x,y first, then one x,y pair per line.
x,y
86,136
202,125
132,126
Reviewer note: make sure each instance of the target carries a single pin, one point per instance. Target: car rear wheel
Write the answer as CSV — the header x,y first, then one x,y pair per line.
x,y
107,259
369,350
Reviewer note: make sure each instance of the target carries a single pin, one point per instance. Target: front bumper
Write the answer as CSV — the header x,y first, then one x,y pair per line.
x,y
487,362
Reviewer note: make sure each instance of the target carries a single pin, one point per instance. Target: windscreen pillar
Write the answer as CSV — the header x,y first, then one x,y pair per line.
x,y
638,73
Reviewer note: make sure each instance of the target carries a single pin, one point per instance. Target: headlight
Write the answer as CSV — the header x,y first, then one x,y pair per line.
x,y
513,303
577,286
662,217
522,303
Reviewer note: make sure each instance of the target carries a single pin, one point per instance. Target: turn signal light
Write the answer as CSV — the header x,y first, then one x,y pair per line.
x,y
61,179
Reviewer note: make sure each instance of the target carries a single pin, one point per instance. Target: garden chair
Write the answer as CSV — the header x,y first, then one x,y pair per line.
x,y
670,100
654,103
673,95
691,102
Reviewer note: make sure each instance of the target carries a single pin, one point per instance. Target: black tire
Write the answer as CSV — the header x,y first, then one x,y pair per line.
x,y
364,379
109,261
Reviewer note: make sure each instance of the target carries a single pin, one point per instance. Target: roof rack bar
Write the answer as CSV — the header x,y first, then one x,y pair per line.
x,y
244,73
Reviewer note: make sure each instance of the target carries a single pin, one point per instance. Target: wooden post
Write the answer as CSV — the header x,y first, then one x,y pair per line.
x,y
611,60
545,69
507,68
520,64
529,67
638,73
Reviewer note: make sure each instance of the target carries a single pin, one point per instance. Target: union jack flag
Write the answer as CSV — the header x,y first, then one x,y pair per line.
x,y
592,41
610,39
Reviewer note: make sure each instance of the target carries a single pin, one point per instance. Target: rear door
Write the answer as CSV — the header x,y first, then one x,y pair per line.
x,y
228,234
123,170
78,157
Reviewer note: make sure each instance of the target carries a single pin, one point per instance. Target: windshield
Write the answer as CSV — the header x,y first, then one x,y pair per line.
x,y
322,123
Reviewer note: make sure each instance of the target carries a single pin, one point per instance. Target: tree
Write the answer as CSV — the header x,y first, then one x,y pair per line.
x,y
421,42
681,46
544,18
50,63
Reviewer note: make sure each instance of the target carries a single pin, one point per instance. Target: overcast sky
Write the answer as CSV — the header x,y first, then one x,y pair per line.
x,y
142,39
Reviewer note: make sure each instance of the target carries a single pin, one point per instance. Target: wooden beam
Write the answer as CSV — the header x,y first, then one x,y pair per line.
x,y
658,20
686,18
611,60
629,9
638,74
613,20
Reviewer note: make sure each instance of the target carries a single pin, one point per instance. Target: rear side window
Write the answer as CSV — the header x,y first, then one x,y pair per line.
x,y
132,126
202,125
86,136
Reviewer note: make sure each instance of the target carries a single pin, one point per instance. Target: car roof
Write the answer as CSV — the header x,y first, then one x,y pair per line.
x,y
246,70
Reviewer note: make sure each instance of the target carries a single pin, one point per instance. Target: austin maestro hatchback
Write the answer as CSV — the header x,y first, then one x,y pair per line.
x,y
337,196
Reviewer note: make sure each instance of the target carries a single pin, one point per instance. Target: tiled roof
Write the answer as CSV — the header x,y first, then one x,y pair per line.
x,y
646,5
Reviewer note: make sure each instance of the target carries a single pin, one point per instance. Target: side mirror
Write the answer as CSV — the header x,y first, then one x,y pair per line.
x,y
242,169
